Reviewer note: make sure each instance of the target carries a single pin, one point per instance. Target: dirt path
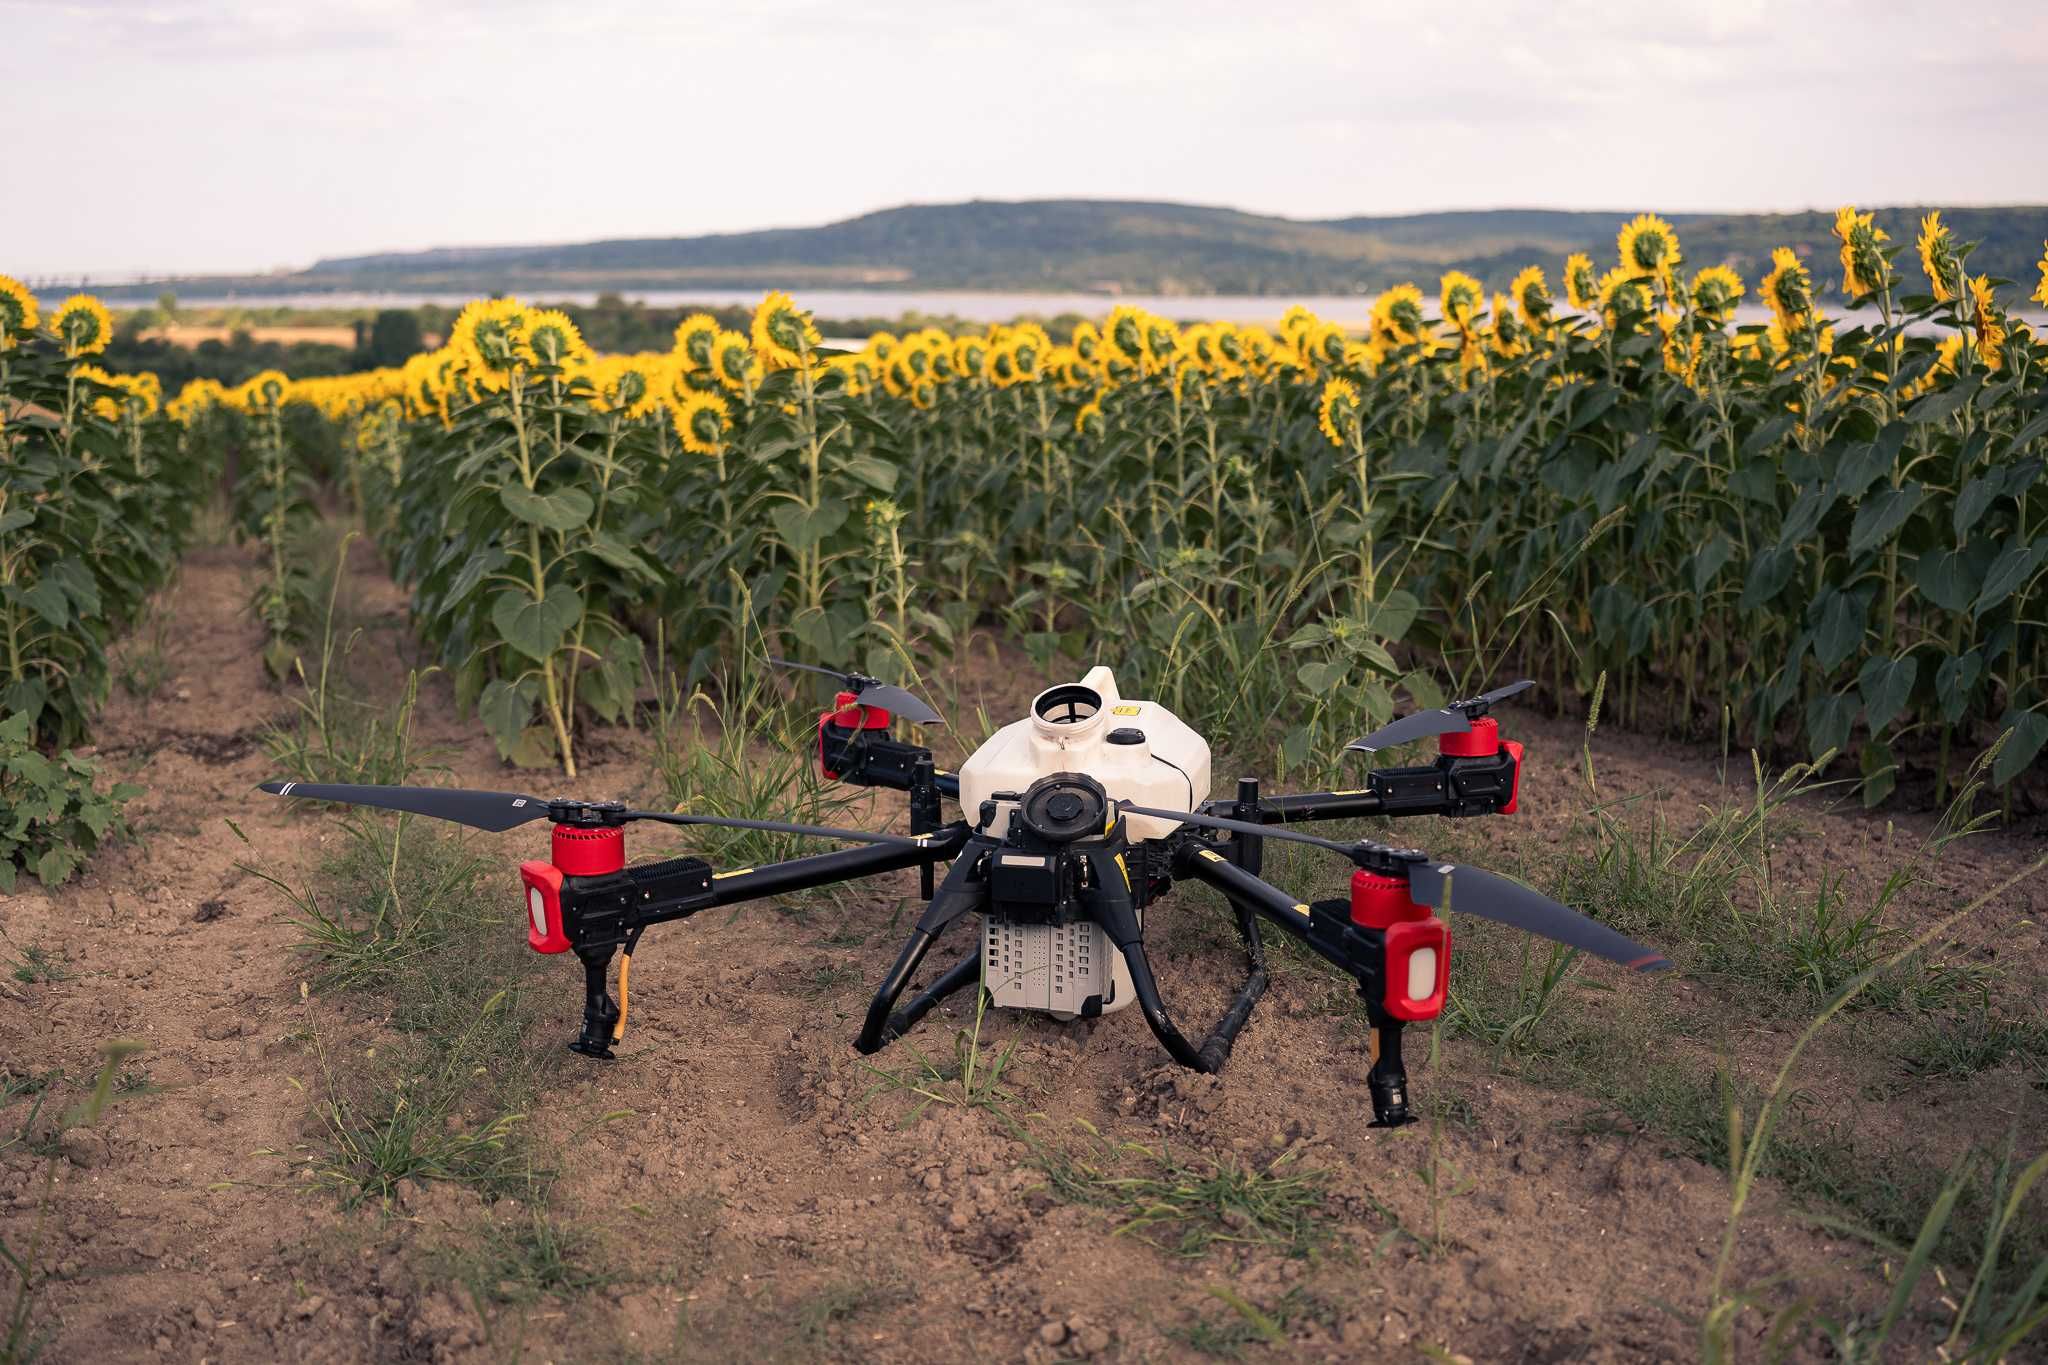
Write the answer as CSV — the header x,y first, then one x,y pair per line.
x,y
761,1201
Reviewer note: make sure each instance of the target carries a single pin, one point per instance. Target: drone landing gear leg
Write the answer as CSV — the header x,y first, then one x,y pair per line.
x,y
961,892
1388,1080
1111,906
600,1015
965,972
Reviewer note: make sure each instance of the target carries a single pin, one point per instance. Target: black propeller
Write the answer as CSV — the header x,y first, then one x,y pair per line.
x,y
499,811
1477,892
873,692
1454,719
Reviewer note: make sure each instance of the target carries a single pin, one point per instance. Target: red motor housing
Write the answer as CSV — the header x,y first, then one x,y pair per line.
x,y
848,714
1415,945
578,852
1481,741
582,851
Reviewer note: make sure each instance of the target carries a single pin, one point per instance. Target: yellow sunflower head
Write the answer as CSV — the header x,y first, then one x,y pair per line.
x,y
1624,296
1939,259
1322,344
1162,338
1256,347
1397,316
83,325
1002,365
1649,248
1337,414
1788,289
694,335
634,384
551,338
18,312
1293,321
735,363
1714,292
1126,334
1863,265
1461,298
1086,340
784,334
196,397
266,392
970,356
1986,321
488,338
702,421
2040,294
924,394
1089,420
1581,285
1507,332
1532,297
883,345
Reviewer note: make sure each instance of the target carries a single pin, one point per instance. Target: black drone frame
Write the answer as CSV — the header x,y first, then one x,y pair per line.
x,y
1063,856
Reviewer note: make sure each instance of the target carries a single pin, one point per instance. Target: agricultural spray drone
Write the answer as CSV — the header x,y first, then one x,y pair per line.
x,y
1074,822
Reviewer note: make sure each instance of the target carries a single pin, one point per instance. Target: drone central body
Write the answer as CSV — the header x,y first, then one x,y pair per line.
x,y
1073,823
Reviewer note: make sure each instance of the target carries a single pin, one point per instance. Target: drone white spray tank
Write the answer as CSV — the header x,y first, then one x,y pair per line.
x,y
1139,752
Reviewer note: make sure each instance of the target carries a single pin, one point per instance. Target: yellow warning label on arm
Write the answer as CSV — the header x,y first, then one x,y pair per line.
x,y
1125,710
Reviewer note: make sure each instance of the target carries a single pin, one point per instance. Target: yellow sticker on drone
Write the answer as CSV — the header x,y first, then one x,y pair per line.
x,y
1125,710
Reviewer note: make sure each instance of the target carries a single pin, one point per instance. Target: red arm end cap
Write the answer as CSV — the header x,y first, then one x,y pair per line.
x,y
542,883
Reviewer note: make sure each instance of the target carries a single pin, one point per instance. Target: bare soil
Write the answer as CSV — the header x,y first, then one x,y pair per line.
x,y
767,1198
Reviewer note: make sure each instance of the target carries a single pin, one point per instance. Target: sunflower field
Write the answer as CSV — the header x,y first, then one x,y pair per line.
x,y
1821,533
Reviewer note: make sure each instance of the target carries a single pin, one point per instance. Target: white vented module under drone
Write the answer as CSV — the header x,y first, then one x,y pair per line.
x,y
1139,752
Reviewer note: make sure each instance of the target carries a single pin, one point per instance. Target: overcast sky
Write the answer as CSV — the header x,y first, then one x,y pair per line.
x,y
191,135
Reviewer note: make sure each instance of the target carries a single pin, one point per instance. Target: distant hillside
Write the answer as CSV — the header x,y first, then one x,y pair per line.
x,y
1081,244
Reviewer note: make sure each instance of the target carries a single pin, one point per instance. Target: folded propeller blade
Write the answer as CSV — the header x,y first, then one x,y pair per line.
x,y
868,691
493,811
1420,725
897,702
1455,719
1466,889
500,811
1505,901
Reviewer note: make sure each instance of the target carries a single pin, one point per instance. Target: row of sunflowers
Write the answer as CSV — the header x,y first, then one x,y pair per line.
x,y
1821,532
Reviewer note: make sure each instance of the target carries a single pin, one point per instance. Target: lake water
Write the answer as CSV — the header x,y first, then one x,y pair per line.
x,y
978,306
